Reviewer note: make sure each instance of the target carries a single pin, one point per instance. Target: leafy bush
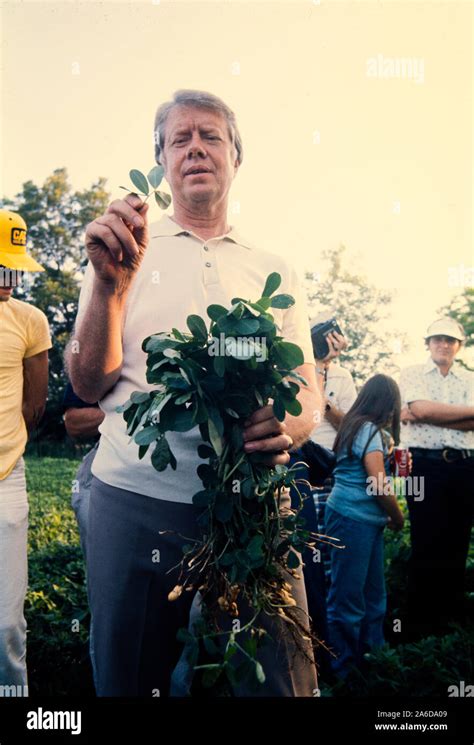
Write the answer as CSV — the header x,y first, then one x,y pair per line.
x,y
56,602
424,668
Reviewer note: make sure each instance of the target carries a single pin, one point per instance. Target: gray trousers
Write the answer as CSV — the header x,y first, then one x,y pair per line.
x,y
135,625
80,503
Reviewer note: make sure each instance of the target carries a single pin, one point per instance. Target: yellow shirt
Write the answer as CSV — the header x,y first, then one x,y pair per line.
x,y
24,332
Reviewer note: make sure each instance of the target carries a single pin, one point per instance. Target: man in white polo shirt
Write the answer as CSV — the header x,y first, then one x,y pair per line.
x,y
438,398
141,281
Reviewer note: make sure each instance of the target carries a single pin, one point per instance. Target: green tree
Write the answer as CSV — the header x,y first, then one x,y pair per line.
x,y
56,217
461,308
358,307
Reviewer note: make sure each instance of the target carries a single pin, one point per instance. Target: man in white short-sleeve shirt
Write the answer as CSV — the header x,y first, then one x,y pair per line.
x,y
141,281
181,274
438,417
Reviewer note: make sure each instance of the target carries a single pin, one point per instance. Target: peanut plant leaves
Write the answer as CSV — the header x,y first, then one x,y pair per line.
x,y
273,283
287,355
161,455
139,180
155,176
147,185
197,327
282,301
162,199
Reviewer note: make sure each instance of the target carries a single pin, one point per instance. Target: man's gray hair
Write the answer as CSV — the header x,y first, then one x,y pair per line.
x,y
201,100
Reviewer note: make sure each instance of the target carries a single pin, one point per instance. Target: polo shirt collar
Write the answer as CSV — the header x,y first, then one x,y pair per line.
x,y
167,227
455,368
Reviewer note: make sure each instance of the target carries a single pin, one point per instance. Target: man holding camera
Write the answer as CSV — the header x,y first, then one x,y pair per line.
x,y
339,393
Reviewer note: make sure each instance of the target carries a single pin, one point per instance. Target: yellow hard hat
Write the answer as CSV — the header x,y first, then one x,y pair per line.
x,y
13,243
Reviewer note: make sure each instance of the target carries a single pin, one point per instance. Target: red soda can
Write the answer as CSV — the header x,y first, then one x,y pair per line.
x,y
401,461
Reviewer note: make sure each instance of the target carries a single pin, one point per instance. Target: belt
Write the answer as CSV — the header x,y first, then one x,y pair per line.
x,y
449,455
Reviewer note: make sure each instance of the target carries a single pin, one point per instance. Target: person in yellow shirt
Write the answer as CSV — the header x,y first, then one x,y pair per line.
x,y
24,344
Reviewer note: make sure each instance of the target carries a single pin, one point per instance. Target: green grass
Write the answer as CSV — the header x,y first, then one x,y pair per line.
x,y
56,606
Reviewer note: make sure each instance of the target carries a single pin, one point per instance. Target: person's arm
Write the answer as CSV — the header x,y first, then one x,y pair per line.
x,y
311,399
35,388
345,399
375,467
115,246
434,412
333,414
336,343
464,425
83,423
320,372
94,355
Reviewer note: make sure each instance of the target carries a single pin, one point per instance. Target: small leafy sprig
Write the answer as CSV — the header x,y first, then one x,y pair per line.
x,y
148,185
248,546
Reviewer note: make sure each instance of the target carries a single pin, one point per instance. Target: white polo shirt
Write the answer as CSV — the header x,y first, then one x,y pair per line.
x,y
341,391
426,383
181,274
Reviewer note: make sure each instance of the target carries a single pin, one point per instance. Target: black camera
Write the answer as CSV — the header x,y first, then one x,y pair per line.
x,y
319,333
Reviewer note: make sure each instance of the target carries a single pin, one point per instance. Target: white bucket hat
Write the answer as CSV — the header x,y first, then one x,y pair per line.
x,y
446,327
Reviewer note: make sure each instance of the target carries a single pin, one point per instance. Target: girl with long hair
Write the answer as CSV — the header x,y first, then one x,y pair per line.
x,y
360,506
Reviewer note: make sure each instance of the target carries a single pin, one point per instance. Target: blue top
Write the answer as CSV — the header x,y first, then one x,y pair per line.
x,y
351,495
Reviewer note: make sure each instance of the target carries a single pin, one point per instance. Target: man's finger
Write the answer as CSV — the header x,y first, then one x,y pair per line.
x,y
270,426
265,412
127,209
139,205
271,444
121,232
97,232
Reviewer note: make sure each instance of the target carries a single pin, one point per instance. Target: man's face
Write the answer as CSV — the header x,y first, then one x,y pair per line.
x,y
9,279
198,138
443,349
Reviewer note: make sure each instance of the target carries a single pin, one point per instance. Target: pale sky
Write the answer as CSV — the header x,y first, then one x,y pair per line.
x,y
356,119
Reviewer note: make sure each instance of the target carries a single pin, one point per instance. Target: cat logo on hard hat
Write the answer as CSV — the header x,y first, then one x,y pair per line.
x,y
18,236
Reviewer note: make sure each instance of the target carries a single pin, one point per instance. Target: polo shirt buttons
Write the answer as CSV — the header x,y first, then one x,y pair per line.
x,y
206,248
208,263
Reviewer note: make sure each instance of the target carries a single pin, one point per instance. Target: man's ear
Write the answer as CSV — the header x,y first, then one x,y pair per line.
x,y
162,160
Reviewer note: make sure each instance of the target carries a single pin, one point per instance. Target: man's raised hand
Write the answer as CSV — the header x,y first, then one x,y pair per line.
x,y
117,240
